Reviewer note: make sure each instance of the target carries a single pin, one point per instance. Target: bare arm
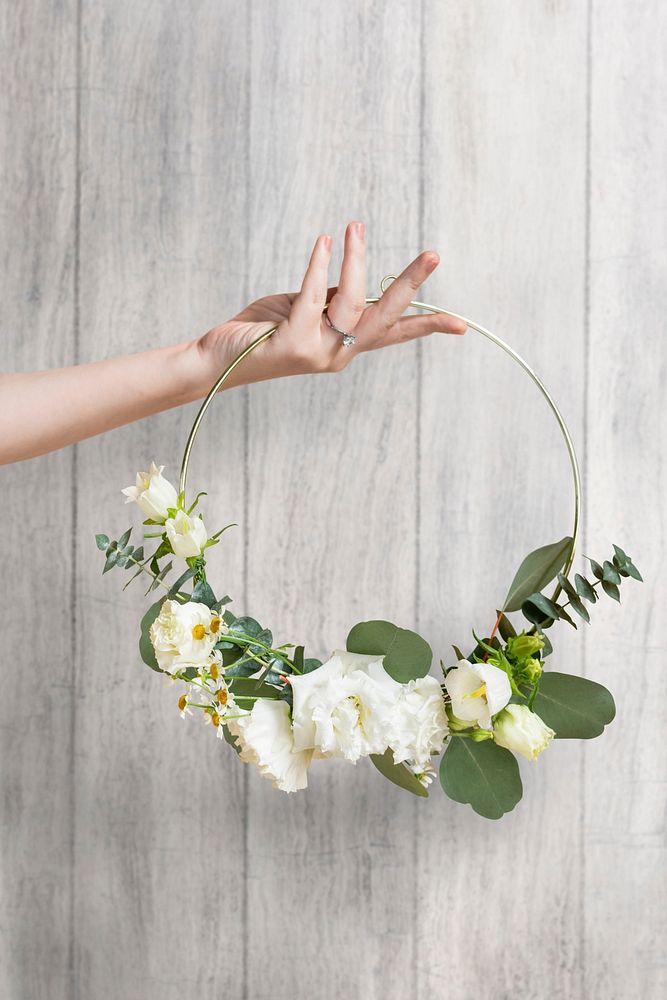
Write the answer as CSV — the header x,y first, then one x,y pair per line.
x,y
43,411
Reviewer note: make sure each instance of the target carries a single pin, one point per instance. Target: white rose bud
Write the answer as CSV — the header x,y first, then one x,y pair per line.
x,y
520,730
153,493
187,535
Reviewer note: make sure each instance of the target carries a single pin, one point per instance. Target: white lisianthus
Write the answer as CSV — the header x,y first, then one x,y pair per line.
x,y
343,709
418,722
153,493
187,535
182,635
266,740
520,730
478,691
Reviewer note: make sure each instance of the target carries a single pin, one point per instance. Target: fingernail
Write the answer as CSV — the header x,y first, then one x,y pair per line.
x,y
359,229
328,240
433,262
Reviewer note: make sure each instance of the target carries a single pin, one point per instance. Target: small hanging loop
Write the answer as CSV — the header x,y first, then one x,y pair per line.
x,y
385,281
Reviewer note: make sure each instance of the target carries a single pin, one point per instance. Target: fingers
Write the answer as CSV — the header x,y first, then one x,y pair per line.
x,y
412,327
309,303
391,306
349,300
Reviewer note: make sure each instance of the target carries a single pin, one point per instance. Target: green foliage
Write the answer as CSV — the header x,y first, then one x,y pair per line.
x,y
203,593
399,774
146,650
536,571
484,775
543,611
406,655
574,707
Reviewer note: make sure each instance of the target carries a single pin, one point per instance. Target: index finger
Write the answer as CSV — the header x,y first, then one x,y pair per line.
x,y
393,303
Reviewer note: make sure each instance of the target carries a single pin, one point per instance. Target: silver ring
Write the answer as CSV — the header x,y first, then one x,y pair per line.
x,y
348,338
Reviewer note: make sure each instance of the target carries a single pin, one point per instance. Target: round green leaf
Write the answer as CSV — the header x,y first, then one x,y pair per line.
x,y
406,655
584,588
482,774
398,773
574,707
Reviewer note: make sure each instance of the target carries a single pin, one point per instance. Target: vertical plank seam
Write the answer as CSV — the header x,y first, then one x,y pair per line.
x,y
246,486
418,472
585,433
76,334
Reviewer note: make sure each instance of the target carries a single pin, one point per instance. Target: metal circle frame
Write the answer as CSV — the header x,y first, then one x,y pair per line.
x,y
576,475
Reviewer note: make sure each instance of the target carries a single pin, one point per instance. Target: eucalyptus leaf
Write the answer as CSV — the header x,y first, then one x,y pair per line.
x,y
399,774
598,572
610,573
248,687
537,570
505,627
202,593
112,558
146,650
406,655
124,538
538,609
102,541
484,775
574,707
584,588
311,663
611,590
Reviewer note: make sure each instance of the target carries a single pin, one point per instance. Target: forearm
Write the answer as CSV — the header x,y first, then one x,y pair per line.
x,y
43,411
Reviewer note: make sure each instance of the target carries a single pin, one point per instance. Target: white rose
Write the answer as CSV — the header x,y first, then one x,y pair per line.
x,y
182,635
343,709
418,722
520,730
266,740
478,691
187,535
153,493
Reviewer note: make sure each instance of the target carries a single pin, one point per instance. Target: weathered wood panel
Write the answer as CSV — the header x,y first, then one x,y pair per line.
x,y
335,136
624,831
37,280
505,198
159,803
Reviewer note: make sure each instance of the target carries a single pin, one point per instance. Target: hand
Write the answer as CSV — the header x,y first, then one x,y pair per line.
x,y
304,342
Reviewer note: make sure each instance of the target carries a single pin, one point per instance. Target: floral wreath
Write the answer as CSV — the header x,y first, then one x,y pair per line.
x,y
376,698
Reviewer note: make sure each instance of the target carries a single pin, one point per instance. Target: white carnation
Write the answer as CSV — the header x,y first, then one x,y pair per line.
x,y
266,740
183,635
153,493
343,709
418,722
478,691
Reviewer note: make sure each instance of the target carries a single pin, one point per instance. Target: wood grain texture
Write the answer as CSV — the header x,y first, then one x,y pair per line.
x,y
624,832
162,165
37,239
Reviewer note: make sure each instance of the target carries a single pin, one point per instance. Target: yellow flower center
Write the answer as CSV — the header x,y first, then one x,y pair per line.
x,y
198,632
222,696
480,692
214,672
182,702
215,625
215,719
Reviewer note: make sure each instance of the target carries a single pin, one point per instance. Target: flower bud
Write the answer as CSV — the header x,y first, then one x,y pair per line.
x,y
522,731
520,647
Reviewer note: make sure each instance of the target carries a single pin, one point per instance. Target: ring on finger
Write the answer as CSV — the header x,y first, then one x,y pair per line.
x,y
348,338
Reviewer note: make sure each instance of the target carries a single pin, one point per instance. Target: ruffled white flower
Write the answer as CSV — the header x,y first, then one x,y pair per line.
x,y
523,731
181,635
418,722
187,535
266,739
153,493
343,709
478,691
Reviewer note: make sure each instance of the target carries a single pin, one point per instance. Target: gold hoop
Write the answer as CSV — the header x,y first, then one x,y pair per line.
x,y
576,475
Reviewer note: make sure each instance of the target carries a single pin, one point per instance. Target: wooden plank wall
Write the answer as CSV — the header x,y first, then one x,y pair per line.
x,y
162,164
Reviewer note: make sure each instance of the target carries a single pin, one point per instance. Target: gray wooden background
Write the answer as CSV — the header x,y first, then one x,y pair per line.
x,y
164,163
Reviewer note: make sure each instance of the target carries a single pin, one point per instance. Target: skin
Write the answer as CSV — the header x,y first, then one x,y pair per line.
x,y
46,410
